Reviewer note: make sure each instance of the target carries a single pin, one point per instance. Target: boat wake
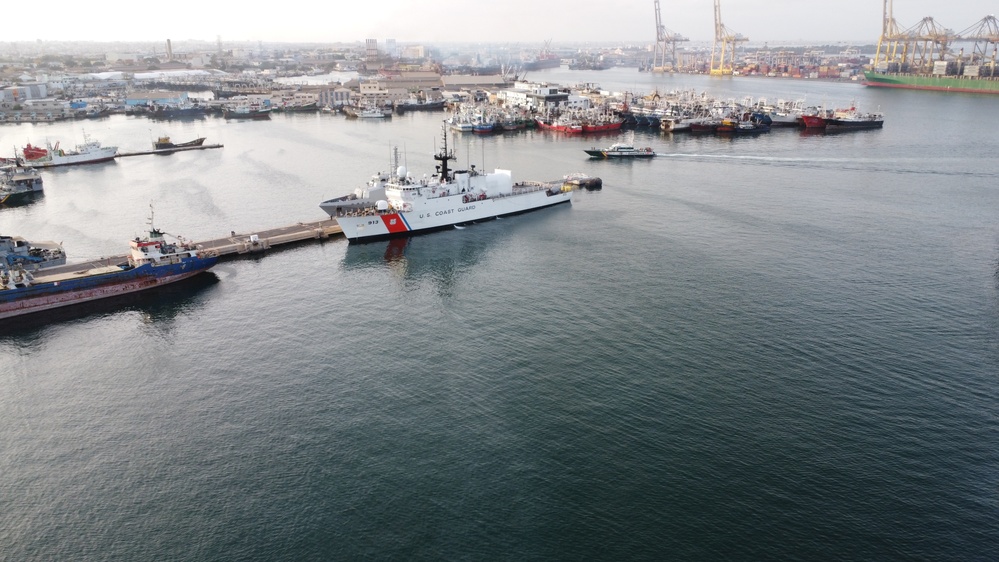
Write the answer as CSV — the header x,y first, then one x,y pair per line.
x,y
764,159
903,166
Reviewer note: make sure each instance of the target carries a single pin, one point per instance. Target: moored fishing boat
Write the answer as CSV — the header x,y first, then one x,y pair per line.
x,y
89,152
304,107
461,123
848,119
483,127
372,113
414,104
545,59
178,111
579,179
750,128
246,112
813,121
164,143
601,123
561,124
18,184
152,262
16,251
443,200
675,124
704,125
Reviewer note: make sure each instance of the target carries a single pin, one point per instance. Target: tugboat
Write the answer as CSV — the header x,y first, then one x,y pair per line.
x,y
414,205
152,262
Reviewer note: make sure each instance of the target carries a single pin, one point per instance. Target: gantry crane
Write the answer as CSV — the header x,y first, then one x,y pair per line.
x,y
930,43
920,47
891,45
724,45
664,57
914,49
985,36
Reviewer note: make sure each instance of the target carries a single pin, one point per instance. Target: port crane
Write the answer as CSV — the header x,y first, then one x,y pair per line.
x,y
930,43
891,45
664,56
724,46
911,50
985,36
918,48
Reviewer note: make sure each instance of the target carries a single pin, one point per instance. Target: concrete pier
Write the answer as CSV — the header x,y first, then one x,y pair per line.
x,y
262,240
233,245
168,150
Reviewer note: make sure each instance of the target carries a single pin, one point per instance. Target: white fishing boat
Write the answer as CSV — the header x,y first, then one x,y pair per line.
x,y
89,152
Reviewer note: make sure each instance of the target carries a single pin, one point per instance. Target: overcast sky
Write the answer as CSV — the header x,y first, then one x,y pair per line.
x,y
494,21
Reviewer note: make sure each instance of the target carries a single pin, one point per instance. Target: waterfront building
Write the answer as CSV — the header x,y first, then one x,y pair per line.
x,y
334,97
155,97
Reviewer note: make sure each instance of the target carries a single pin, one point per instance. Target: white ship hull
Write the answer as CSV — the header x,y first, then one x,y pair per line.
x,y
437,213
104,154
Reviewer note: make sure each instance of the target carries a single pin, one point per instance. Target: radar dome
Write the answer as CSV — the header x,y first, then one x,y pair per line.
x,y
400,172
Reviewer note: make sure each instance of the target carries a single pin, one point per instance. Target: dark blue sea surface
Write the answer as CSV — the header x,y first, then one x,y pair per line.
x,y
774,348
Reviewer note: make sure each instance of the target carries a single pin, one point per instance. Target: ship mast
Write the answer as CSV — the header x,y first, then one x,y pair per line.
x,y
444,156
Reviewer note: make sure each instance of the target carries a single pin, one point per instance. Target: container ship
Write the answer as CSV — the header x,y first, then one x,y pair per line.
x,y
152,262
940,83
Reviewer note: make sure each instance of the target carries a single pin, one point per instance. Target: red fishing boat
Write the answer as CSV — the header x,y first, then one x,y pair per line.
x,y
813,121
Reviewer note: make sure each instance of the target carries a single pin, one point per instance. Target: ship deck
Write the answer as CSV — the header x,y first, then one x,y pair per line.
x,y
70,272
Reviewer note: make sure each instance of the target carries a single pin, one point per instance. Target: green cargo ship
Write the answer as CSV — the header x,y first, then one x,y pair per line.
x,y
974,85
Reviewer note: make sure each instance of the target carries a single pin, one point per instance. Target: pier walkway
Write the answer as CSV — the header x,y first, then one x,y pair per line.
x,y
168,150
233,245
262,240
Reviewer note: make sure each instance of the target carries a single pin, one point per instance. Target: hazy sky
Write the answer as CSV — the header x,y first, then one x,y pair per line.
x,y
515,21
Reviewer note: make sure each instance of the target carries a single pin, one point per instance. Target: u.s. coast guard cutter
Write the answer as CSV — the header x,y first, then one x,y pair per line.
x,y
401,204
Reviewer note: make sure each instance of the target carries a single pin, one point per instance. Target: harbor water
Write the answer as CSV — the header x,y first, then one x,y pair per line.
x,y
774,348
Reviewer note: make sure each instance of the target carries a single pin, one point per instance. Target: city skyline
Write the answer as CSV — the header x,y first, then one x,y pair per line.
x,y
514,21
